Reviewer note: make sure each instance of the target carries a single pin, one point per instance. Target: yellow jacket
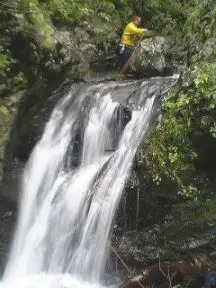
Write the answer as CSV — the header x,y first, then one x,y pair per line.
x,y
131,30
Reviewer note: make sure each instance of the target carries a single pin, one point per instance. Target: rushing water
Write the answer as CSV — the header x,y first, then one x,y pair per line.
x,y
67,210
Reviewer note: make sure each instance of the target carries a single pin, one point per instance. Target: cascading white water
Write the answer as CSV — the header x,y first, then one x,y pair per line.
x,y
66,213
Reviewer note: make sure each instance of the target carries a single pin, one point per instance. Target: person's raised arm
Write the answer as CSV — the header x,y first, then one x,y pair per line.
x,y
136,31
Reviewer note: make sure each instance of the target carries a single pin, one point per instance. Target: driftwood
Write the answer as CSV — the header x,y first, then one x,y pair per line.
x,y
127,268
171,274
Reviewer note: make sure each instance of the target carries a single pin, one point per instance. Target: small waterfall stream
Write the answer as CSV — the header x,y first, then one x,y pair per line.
x,y
67,211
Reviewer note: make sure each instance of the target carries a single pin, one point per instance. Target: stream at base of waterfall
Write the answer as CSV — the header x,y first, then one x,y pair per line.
x,y
66,210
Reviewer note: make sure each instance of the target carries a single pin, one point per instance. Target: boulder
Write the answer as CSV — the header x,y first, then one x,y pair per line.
x,y
151,57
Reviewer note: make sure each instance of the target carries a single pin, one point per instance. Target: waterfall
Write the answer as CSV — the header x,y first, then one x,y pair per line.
x,y
71,189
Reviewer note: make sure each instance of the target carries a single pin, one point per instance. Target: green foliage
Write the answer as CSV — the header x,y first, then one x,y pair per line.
x,y
5,62
68,12
74,12
163,16
170,153
204,98
39,21
20,80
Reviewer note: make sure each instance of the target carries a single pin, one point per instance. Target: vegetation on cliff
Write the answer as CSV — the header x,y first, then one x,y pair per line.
x,y
35,44
174,154
30,31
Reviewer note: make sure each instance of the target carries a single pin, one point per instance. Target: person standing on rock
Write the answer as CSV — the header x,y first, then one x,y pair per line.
x,y
128,41
128,46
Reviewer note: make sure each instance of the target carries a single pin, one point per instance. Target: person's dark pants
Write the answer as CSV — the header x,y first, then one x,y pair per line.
x,y
124,55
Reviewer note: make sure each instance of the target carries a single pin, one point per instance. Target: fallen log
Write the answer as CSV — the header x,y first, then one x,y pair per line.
x,y
170,274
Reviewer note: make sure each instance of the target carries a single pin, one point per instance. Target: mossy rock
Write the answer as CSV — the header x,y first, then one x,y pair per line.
x,y
151,58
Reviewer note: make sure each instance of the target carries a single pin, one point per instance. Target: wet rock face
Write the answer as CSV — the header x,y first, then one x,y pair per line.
x,y
69,54
8,106
8,215
151,57
74,51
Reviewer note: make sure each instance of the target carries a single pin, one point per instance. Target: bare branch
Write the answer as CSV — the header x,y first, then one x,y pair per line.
x,y
167,276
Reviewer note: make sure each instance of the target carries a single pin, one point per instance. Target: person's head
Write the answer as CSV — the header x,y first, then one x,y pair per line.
x,y
137,20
